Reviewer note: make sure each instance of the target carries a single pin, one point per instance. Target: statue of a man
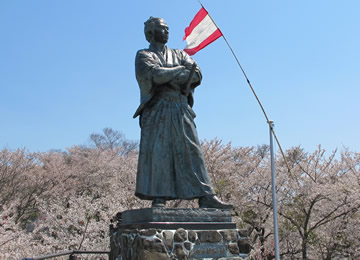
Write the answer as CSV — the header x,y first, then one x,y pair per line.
x,y
171,162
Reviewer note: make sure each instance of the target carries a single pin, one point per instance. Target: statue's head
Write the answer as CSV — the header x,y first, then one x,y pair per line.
x,y
156,30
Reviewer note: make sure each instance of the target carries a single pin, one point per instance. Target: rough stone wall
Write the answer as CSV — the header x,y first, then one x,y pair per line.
x,y
157,244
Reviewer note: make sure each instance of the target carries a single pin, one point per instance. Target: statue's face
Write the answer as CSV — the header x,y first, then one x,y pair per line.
x,y
161,32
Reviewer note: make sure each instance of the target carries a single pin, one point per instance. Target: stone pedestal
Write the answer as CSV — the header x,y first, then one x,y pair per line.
x,y
160,233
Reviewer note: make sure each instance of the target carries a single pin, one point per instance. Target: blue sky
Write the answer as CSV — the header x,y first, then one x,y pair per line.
x,y
67,70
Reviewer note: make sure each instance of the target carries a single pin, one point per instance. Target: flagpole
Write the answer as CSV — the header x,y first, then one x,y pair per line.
x,y
251,87
272,134
273,186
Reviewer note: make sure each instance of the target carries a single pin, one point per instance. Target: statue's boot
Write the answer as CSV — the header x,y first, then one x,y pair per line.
x,y
158,203
211,201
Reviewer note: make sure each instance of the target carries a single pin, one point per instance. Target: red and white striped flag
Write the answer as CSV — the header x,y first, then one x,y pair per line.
x,y
201,32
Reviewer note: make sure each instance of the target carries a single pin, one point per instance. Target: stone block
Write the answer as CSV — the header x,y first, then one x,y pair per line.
x,y
234,249
154,245
179,251
192,236
209,236
180,235
229,235
244,233
148,232
153,256
188,246
168,239
244,246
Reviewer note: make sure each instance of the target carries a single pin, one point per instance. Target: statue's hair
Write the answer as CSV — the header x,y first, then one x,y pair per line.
x,y
150,26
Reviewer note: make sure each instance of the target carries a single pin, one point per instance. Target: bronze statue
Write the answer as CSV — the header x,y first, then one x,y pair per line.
x,y
171,162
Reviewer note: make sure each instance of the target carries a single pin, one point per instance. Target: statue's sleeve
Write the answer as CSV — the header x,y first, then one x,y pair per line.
x,y
145,64
187,61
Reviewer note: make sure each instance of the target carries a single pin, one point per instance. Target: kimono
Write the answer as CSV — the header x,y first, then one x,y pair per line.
x,y
171,162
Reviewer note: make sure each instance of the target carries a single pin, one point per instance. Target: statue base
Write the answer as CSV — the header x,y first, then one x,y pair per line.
x,y
162,233
168,218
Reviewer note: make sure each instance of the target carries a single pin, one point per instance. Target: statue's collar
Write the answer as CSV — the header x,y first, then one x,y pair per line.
x,y
158,47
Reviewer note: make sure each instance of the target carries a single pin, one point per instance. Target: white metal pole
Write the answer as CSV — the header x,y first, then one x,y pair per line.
x,y
276,236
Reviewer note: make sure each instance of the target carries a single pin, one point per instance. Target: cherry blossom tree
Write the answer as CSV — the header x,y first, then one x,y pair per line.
x,y
62,200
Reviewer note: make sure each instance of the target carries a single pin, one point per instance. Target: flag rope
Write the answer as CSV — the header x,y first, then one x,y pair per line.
x,y
252,89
